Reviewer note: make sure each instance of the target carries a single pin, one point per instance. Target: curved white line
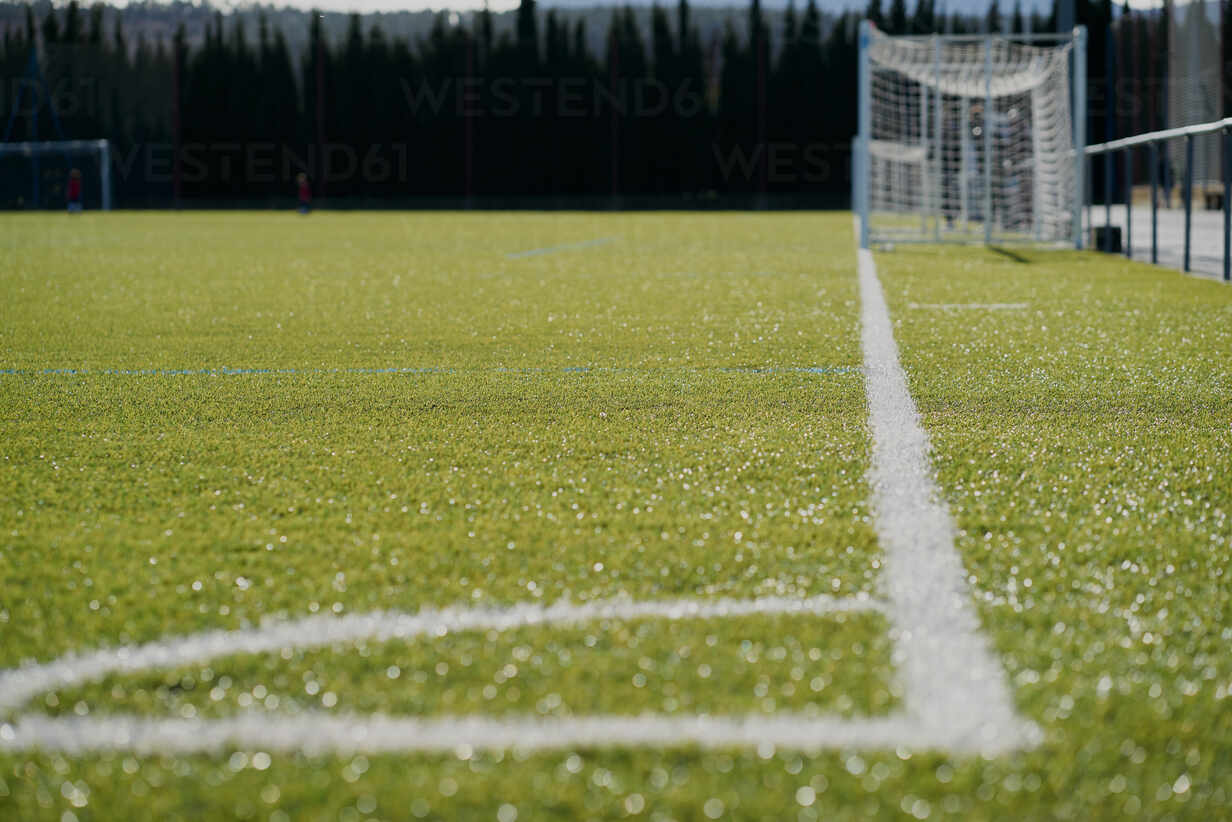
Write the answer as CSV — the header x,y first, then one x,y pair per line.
x,y
19,685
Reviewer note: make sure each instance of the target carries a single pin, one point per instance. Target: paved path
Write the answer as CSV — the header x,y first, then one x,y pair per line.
x,y
1206,255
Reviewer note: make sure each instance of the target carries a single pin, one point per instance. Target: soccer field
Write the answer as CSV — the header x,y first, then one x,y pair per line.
x,y
571,516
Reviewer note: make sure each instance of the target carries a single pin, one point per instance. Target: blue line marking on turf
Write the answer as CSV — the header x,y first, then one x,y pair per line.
x,y
227,371
551,249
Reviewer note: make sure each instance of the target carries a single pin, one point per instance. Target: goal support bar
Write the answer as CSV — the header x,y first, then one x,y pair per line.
x,y
1079,73
864,136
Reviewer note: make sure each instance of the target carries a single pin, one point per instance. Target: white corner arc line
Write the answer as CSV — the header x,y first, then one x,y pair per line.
x,y
952,679
19,685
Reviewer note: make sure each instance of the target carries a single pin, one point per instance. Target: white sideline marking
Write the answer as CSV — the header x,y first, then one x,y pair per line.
x,y
551,249
970,306
953,684
19,685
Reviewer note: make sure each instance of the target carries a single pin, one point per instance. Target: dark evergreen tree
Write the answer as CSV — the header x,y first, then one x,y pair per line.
x,y
531,111
72,24
924,21
897,24
993,20
528,33
873,14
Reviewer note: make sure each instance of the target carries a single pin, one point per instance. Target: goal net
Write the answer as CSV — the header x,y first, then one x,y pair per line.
x,y
35,175
969,138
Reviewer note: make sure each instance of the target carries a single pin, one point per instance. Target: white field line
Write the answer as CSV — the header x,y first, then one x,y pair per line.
x,y
19,685
953,684
317,733
969,306
551,249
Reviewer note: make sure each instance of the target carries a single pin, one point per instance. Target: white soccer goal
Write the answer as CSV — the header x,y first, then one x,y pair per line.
x,y
970,138
36,172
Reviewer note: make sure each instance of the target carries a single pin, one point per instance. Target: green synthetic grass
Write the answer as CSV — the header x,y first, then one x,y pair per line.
x,y
806,664
203,431
1083,445
148,505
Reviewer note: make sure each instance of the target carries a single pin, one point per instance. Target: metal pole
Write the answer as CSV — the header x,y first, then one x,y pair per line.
x,y
855,176
177,55
1129,202
320,112
759,53
104,159
1088,188
865,124
468,130
613,78
1109,127
1188,194
34,202
988,140
964,176
1154,202
1080,128
926,198
938,183
1107,201
1227,205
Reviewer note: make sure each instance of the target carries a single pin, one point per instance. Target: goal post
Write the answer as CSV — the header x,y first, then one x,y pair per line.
x,y
970,138
36,172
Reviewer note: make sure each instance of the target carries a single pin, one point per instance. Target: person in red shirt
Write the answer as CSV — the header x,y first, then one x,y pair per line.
x,y
305,193
73,192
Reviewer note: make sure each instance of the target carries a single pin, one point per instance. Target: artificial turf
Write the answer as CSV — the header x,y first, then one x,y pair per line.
x,y
1084,442
636,416
806,664
216,419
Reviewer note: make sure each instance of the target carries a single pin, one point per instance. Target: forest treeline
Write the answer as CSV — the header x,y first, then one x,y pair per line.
x,y
466,113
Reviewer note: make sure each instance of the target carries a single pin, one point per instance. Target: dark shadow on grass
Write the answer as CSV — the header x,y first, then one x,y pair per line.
x,y
1007,253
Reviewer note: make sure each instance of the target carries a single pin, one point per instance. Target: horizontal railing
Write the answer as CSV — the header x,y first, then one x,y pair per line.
x,y
1159,136
1151,141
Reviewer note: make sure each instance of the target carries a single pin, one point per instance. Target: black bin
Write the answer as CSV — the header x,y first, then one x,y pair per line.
x,y
1107,238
